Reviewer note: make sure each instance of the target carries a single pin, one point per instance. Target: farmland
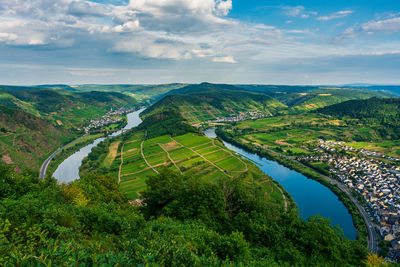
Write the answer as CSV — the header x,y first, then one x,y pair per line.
x,y
296,134
190,154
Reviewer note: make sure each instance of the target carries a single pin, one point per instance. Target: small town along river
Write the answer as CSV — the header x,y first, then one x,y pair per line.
x,y
311,197
68,170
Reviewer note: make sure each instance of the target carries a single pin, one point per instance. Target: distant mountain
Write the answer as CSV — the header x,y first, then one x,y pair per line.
x,y
57,86
302,98
140,92
201,102
395,89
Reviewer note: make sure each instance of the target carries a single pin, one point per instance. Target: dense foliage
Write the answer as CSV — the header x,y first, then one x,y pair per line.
x,y
186,222
382,114
26,139
169,121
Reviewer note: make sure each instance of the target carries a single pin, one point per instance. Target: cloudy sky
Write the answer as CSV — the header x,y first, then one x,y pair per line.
x,y
224,41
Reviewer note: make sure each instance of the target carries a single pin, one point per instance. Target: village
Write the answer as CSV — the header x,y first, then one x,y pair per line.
x,y
113,116
248,115
376,181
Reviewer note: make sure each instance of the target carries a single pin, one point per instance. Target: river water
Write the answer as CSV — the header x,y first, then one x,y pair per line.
x,y
311,197
68,170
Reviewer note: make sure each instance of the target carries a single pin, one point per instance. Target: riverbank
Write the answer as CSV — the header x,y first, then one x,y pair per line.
x,y
68,170
343,196
67,151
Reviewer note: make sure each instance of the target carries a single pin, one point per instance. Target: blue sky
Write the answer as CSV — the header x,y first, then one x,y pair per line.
x,y
222,41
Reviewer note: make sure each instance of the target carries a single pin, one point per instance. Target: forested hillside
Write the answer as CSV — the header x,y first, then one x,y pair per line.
x,y
63,107
35,122
201,102
25,139
380,113
185,222
304,98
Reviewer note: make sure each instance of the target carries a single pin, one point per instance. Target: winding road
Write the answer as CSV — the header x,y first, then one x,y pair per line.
x,y
45,165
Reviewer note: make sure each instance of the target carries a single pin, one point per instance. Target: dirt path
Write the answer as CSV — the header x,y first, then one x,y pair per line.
x,y
283,196
120,165
145,160
170,158
222,170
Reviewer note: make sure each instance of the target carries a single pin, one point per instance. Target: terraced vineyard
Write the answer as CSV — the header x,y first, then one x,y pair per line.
x,y
189,154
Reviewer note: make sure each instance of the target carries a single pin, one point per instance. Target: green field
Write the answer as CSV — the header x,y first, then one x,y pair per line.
x,y
190,154
297,134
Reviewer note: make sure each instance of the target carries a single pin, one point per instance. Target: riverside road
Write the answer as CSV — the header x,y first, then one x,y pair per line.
x,y
46,163
372,236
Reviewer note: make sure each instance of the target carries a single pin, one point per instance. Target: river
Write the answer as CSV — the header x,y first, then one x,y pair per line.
x,y
311,197
68,170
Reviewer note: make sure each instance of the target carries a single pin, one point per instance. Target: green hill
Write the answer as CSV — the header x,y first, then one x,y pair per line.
x,y
63,107
25,140
303,98
382,114
35,122
202,102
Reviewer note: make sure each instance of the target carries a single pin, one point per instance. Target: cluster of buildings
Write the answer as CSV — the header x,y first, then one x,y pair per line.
x,y
333,145
113,116
248,115
378,182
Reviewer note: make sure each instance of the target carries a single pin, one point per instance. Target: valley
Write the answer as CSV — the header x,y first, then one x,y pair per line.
x,y
199,133
168,142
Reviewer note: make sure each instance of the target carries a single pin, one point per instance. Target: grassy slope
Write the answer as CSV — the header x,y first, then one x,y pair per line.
x,y
382,115
71,109
198,103
304,98
26,139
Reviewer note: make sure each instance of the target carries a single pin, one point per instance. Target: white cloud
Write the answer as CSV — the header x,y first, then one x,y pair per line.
x,y
129,26
298,11
391,25
227,59
172,33
336,15
223,7
7,37
87,8
293,11
386,26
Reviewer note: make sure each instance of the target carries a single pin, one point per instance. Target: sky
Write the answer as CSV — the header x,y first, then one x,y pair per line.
x,y
219,41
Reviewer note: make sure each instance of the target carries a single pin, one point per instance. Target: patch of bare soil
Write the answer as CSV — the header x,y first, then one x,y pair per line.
x,y
170,146
7,159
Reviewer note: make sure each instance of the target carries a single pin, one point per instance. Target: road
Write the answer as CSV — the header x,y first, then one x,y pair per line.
x,y
372,236
46,163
